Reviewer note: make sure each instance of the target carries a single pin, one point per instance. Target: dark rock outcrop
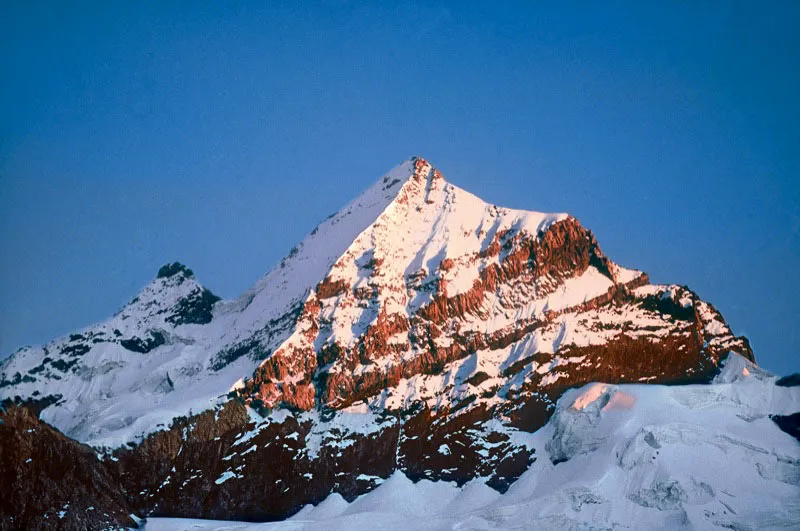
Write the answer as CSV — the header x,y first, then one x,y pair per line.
x,y
175,268
195,308
793,380
789,423
52,482
143,346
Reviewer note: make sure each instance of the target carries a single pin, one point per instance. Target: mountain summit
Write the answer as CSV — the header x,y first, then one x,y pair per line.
x,y
418,329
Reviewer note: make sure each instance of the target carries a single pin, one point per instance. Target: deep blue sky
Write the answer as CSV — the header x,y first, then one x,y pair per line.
x,y
133,135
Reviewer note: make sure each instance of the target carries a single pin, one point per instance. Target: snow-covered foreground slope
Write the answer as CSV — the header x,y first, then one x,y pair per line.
x,y
612,456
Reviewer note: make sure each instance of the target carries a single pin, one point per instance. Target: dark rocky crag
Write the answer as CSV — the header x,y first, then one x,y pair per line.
x,y
52,482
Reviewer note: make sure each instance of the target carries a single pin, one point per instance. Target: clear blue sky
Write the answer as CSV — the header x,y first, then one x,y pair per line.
x,y
132,135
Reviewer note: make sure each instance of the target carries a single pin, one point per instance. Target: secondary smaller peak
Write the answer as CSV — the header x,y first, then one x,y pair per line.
x,y
175,268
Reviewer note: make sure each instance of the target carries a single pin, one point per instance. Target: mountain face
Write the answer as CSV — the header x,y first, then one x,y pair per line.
x,y
418,330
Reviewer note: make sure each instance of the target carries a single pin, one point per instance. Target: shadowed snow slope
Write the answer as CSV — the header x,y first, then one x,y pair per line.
x,y
627,456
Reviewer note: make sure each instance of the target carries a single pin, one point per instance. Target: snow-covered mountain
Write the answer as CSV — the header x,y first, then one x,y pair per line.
x,y
418,330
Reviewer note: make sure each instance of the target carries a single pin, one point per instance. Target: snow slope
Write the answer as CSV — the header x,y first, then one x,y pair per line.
x,y
627,456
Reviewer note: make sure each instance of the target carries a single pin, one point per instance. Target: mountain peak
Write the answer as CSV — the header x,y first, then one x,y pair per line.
x,y
412,279
414,169
424,168
174,297
175,268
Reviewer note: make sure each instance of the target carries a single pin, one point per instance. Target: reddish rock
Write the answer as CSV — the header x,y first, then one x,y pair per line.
x,y
52,482
331,288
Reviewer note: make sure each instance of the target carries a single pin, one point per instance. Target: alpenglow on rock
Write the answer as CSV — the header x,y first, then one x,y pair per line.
x,y
419,330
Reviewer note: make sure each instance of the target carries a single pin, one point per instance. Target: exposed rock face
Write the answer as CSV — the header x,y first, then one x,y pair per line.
x,y
419,329
175,268
298,458
52,482
789,423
